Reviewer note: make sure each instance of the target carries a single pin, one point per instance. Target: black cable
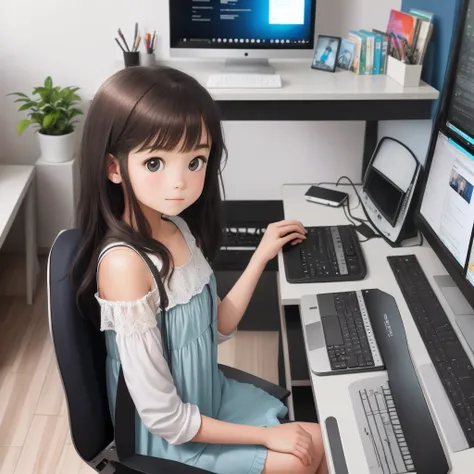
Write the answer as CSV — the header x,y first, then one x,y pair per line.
x,y
368,229
356,192
350,183
346,209
363,226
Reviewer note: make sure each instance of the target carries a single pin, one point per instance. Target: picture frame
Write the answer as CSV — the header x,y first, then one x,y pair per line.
x,y
345,58
326,53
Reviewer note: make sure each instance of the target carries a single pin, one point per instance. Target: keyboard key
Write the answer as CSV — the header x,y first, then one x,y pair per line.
x,y
352,362
454,350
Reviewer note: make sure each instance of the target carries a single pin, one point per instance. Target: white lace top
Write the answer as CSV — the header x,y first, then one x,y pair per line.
x,y
138,341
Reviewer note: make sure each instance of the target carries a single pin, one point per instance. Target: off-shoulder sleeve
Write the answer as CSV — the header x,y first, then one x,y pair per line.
x,y
146,371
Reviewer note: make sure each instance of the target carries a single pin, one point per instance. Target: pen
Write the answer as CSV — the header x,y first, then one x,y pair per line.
x,y
395,51
121,47
137,43
123,39
136,33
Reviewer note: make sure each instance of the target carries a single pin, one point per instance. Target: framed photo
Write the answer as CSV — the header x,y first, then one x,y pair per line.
x,y
346,54
326,53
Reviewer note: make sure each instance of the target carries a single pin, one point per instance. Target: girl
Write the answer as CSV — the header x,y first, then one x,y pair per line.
x,y
150,216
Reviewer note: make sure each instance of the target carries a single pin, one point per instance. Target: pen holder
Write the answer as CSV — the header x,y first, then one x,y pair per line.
x,y
131,58
408,75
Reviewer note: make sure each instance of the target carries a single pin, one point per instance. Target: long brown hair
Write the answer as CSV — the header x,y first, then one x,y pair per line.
x,y
142,108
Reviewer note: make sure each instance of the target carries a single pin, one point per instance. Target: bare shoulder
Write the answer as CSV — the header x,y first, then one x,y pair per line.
x,y
123,275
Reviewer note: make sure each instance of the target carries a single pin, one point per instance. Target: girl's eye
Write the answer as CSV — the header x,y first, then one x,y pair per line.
x,y
196,164
154,164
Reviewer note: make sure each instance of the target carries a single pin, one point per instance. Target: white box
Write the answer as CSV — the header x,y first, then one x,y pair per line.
x,y
408,75
57,189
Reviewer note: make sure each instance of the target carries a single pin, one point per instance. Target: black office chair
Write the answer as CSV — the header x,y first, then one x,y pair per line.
x,y
80,352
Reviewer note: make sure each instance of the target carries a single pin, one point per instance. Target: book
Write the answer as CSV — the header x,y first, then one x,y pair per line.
x,y
369,55
402,25
423,33
385,53
377,50
426,16
358,64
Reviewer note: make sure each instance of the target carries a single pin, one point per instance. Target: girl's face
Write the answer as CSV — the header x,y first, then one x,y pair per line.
x,y
168,181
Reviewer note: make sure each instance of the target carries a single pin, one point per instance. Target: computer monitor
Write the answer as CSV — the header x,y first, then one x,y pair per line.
x,y
445,214
448,202
459,108
246,33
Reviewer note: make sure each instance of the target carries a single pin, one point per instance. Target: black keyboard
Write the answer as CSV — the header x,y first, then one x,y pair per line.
x,y
328,254
245,237
347,343
446,352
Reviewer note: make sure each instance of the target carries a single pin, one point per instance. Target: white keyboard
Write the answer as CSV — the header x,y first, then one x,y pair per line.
x,y
244,81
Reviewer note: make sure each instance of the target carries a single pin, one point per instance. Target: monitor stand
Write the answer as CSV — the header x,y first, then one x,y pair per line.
x,y
248,66
463,312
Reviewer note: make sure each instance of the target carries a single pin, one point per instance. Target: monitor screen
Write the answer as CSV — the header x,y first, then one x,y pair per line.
x,y
460,113
385,195
242,24
448,202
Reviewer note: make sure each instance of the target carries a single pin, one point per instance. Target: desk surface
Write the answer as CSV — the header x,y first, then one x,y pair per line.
x,y
14,182
331,393
300,82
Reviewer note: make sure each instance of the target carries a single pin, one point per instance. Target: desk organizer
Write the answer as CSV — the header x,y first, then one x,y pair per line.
x,y
149,60
408,75
131,58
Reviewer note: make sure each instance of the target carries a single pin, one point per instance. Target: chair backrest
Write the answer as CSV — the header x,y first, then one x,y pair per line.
x,y
80,352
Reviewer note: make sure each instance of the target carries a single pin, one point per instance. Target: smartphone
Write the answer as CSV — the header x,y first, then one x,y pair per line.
x,y
329,197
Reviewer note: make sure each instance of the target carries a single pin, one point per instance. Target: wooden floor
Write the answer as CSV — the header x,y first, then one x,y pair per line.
x,y
34,432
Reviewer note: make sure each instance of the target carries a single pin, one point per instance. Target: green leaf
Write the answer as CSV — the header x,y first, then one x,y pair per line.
x,y
23,125
18,93
74,113
28,105
48,82
47,121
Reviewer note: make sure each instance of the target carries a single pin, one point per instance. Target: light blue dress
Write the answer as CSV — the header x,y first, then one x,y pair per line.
x,y
193,339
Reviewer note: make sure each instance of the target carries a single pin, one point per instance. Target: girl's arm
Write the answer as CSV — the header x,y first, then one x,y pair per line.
x,y
288,438
233,306
221,432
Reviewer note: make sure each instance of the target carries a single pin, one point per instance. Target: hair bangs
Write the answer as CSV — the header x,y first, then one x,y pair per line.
x,y
169,123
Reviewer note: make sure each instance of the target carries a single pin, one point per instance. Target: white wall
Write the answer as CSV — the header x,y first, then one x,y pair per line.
x,y
74,43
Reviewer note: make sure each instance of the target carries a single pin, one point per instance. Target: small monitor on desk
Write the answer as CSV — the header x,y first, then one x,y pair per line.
x,y
244,33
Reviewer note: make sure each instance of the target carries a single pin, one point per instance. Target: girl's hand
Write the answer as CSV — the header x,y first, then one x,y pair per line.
x,y
277,235
290,438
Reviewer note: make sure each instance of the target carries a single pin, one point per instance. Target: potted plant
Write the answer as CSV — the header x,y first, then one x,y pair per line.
x,y
54,113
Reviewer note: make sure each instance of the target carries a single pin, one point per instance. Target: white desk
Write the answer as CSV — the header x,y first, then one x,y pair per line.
x,y
308,94
300,82
331,393
16,188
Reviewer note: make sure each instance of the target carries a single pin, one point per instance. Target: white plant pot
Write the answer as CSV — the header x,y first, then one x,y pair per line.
x,y
57,148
